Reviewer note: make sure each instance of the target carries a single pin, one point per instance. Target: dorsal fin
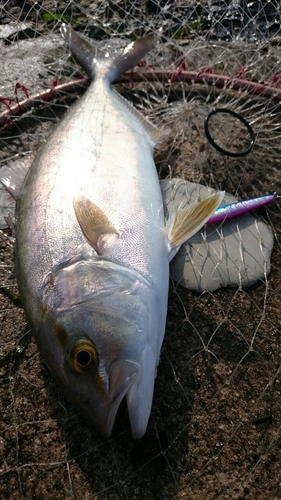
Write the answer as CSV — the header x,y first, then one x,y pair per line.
x,y
155,134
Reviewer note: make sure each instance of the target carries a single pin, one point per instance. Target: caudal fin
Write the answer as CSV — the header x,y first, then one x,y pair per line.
x,y
133,54
86,54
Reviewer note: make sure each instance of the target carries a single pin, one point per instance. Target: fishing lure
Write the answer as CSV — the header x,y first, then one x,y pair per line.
x,y
241,207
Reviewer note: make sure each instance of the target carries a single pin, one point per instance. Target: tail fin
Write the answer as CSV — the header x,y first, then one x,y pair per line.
x,y
133,54
86,55
80,48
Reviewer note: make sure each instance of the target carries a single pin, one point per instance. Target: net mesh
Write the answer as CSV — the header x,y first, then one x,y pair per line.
x,y
215,425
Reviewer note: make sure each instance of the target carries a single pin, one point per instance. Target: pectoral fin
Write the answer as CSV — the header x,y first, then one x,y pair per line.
x,y
92,220
11,181
12,177
183,224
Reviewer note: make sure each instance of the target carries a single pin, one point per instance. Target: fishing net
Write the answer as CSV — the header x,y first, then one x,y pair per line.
x,y
215,425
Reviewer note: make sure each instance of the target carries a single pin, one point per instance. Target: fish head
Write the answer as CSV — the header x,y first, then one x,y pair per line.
x,y
98,337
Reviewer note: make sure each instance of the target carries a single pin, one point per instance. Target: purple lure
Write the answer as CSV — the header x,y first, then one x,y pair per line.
x,y
240,207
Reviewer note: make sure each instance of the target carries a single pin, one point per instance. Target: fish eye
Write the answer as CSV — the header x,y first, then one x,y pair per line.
x,y
83,357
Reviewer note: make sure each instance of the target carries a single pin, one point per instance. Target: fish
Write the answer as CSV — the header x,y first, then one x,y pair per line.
x,y
92,245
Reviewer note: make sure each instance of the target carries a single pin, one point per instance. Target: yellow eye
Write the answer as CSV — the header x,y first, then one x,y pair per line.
x,y
83,356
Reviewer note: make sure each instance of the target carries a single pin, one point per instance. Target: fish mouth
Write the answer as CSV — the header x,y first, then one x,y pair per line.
x,y
135,380
123,375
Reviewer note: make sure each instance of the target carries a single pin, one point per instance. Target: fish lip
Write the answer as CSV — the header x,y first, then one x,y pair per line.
x,y
122,375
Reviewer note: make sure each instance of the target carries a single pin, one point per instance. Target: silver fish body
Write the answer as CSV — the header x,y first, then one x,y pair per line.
x,y
92,256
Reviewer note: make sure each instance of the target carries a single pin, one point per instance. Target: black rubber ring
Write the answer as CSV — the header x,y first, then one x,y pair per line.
x,y
242,120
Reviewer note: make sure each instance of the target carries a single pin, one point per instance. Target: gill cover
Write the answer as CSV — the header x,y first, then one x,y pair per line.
x,y
102,317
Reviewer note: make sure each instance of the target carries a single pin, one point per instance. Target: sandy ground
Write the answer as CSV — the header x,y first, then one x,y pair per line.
x,y
215,426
